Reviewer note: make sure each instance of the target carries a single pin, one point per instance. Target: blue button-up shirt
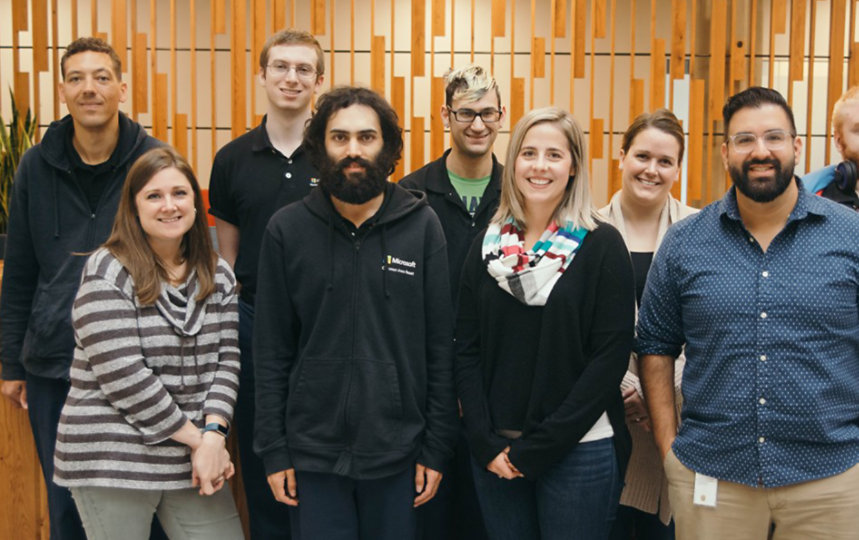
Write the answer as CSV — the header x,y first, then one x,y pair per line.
x,y
771,383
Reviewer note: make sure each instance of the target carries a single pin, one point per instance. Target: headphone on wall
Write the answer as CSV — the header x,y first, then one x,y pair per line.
x,y
845,176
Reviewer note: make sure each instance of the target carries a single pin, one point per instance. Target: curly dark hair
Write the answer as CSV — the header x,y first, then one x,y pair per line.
x,y
342,97
94,44
754,98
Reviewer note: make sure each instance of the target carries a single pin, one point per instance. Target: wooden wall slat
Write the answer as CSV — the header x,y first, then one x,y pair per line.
x,y
55,54
718,27
159,123
436,125
418,38
417,143
20,481
119,29
678,39
238,64
598,18
40,36
377,64
398,102
22,90
657,74
219,12
438,9
595,139
317,18
257,37
853,66
19,15
797,40
636,102
517,100
810,97
738,61
695,156
538,57
838,12
560,29
278,15
497,15
615,177
180,134
779,20
139,80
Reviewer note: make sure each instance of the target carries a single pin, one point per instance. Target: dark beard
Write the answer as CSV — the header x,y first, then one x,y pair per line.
x,y
354,188
762,191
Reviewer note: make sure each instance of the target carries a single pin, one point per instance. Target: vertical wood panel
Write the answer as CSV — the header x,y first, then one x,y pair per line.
x,y
810,103
278,15
581,20
417,143
40,36
418,37
436,125
398,102
377,64
192,9
538,57
695,159
219,12
238,64
317,17
517,100
779,20
598,18
55,54
595,140
836,61
19,15
159,113
497,15
438,17
636,103
853,69
657,74
139,82
678,38
180,134
119,29
20,476
797,40
718,26
560,28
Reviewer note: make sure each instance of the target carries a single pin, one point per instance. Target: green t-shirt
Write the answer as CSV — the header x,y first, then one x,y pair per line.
x,y
470,190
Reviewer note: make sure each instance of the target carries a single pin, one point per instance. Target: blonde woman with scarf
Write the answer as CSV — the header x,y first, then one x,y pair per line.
x,y
650,157
544,330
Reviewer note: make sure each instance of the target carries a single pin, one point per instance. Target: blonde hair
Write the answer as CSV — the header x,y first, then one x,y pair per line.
x,y
576,205
852,94
469,83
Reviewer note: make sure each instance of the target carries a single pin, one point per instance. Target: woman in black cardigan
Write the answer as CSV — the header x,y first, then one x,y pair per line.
x,y
544,330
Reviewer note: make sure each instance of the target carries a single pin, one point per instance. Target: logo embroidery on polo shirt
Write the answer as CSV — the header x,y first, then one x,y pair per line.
x,y
400,266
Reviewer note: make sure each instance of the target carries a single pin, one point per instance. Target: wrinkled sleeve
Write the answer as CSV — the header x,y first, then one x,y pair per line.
x,y
20,275
276,330
221,398
105,324
660,324
221,200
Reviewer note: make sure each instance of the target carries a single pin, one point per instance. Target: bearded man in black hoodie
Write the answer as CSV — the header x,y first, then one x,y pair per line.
x,y
355,406
63,203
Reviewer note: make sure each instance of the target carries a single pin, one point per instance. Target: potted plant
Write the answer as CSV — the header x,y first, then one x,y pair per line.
x,y
13,143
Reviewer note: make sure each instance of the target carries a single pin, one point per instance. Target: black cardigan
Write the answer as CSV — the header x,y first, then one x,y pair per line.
x,y
580,352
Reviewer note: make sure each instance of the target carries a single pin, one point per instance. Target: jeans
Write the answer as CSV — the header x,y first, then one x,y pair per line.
x,y
268,519
334,507
575,499
633,523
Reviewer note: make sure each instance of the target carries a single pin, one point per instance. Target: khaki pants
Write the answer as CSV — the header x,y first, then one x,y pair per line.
x,y
820,509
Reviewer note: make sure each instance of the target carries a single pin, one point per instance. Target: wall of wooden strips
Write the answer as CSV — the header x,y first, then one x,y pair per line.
x,y
190,66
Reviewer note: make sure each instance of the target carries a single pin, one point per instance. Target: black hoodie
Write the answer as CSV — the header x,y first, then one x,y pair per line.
x,y
50,220
353,340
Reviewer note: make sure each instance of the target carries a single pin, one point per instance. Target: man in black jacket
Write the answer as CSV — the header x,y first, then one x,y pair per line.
x,y
462,187
355,407
64,201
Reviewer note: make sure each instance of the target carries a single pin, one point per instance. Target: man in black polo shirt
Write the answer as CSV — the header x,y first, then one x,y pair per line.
x,y
252,177
463,187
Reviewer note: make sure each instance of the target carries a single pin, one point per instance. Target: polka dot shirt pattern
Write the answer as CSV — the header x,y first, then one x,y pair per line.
x,y
771,383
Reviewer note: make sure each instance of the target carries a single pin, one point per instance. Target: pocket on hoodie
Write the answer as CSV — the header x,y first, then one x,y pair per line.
x,y
376,406
49,330
315,408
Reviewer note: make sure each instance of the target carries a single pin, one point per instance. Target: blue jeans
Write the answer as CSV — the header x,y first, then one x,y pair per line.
x,y
268,519
575,499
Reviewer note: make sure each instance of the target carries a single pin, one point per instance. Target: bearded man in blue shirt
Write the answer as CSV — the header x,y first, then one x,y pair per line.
x,y
762,290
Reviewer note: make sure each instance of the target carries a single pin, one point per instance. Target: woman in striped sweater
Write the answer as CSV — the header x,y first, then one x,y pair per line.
x,y
155,370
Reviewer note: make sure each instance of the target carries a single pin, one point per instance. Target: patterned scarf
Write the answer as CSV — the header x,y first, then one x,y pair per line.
x,y
530,275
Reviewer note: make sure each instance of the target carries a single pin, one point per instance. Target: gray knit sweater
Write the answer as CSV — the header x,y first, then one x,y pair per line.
x,y
139,372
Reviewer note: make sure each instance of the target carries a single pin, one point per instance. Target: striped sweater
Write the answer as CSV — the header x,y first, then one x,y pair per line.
x,y
139,372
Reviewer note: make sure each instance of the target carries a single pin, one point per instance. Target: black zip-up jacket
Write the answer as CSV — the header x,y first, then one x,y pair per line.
x,y
460,228
50,220
353,340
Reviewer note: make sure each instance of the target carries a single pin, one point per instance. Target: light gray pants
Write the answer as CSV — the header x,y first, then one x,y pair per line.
x,y
112,513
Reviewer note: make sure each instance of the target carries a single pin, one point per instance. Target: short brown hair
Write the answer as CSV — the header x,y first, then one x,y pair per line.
x,y
661,119
94,44
128,243
291,36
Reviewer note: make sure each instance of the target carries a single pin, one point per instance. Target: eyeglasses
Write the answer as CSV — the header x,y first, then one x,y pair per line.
x,y
774,139
302,71
467,116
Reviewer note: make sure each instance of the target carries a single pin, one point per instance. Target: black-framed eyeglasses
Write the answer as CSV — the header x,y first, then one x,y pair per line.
x,y
467,116
302,71
774,139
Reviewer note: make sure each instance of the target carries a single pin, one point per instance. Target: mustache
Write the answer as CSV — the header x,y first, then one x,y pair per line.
x,y
747,166
347,161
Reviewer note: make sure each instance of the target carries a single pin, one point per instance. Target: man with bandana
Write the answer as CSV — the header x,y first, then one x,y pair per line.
x,y
355,406
762,288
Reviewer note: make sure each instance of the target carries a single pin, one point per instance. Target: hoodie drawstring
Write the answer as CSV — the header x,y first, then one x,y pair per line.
x,y
330,285
385,263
